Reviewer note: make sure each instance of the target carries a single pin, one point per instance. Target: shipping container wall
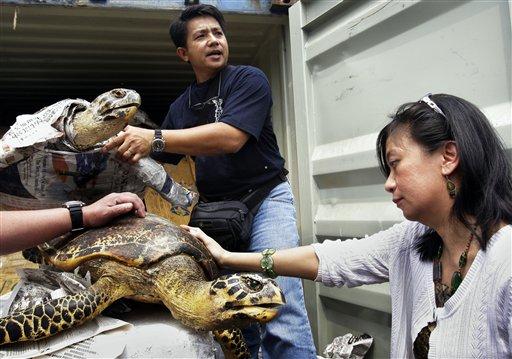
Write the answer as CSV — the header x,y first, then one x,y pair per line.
x,y
353,63
273,57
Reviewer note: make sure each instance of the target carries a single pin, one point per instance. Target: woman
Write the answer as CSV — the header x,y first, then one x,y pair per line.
x,y
449,264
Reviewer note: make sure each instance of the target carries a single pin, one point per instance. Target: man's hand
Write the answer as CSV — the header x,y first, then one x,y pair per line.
x,y
107,208
132,144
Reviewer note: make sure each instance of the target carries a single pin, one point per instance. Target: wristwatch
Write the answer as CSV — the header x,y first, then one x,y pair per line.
x,y
158,144
267,263
75,212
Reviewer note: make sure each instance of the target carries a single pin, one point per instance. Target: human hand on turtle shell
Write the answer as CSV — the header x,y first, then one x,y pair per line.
x,y
107,208
218,253
133,143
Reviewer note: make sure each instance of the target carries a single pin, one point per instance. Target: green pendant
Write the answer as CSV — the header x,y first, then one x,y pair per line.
x,y
463,260
456,280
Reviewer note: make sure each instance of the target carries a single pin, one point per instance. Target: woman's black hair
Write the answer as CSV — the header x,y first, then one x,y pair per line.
x,y
178,29
485,191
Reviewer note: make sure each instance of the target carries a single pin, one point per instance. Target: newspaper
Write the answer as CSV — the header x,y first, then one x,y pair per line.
x,y
349,346
34,130
106,345
48,178
37,285
109,344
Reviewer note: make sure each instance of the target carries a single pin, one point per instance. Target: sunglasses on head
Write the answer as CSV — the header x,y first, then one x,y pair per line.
x,y
430,103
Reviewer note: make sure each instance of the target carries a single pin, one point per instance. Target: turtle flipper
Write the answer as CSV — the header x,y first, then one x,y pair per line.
x,y
232,343
153,174
54,316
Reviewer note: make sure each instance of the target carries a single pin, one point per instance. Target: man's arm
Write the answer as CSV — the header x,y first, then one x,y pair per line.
x,y
211,139
244,115
25,229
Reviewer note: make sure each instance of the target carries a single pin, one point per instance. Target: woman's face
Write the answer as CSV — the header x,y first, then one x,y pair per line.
x,y
415,180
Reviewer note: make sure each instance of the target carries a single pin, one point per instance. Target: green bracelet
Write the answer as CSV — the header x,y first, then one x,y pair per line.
x,y
267,263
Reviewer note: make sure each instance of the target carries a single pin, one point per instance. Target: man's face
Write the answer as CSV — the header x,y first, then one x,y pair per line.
x,y
207,48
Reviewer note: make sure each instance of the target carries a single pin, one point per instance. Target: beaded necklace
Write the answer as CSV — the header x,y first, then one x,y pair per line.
x,y
457,275
442,293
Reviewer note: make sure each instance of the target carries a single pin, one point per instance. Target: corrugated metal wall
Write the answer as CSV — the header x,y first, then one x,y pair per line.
x,y
48,52
353,63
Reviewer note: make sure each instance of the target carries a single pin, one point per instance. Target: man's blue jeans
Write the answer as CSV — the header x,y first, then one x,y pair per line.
x,y
289,335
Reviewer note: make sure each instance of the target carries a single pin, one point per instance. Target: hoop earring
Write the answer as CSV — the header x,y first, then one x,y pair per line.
x,y
450,186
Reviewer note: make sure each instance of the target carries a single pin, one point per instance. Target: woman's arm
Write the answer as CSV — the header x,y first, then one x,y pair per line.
x,y
300,262
25,229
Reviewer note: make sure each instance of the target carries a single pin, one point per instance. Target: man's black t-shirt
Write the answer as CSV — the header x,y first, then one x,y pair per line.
x,y
241,98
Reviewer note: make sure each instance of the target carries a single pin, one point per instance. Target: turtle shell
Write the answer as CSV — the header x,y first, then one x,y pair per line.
x,y
133,241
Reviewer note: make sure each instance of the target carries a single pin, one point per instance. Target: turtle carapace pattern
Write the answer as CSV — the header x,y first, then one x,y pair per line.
x,y
148,259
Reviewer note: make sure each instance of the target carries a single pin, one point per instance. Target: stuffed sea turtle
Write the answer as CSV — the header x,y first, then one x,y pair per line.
x,y
148,259
69,125
54,155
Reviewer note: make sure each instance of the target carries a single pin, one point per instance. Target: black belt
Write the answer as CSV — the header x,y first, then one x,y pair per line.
x,y
253,196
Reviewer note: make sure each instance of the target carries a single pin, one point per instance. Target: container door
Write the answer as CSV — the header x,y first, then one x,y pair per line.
x,y
353,63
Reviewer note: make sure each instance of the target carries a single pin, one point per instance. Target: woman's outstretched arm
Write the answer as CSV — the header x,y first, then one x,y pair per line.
x,y
300,262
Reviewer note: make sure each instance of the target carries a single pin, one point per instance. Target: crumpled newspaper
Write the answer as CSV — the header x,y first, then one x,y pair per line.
x,y
39,285
349,346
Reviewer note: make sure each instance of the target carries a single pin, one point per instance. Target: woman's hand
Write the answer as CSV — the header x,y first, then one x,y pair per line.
x,y
218,253
132,143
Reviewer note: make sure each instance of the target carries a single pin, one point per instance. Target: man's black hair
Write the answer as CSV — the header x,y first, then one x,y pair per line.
x,y
485,191
178,29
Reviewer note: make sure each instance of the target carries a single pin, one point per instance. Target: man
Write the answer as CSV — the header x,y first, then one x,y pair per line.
x,y
224,120
26,229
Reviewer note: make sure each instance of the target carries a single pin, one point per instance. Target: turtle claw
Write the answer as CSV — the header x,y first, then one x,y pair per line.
x,y
180,211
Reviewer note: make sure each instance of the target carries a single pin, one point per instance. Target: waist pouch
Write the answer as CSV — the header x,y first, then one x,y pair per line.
x,y
228,222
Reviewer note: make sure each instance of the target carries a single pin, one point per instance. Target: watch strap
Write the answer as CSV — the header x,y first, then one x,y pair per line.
x,y
158,133
76,214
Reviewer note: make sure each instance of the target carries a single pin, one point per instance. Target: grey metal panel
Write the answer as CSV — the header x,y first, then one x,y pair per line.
x,y
305,194
353,63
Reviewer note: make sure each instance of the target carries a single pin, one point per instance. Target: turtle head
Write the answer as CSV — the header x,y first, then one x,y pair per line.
x,y
106,116
242,298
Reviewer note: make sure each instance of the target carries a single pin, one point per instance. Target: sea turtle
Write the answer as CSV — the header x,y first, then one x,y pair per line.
x,y
47,155
149,259
72,125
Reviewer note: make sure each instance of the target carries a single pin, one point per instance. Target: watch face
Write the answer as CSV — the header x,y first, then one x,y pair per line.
x,y
267,263
158,145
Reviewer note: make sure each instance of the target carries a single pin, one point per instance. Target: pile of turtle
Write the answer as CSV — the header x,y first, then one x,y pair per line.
x,y
148,259
153,260
54,155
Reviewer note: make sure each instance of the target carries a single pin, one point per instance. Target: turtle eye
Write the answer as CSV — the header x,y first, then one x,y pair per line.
x,y
253,283
118,93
